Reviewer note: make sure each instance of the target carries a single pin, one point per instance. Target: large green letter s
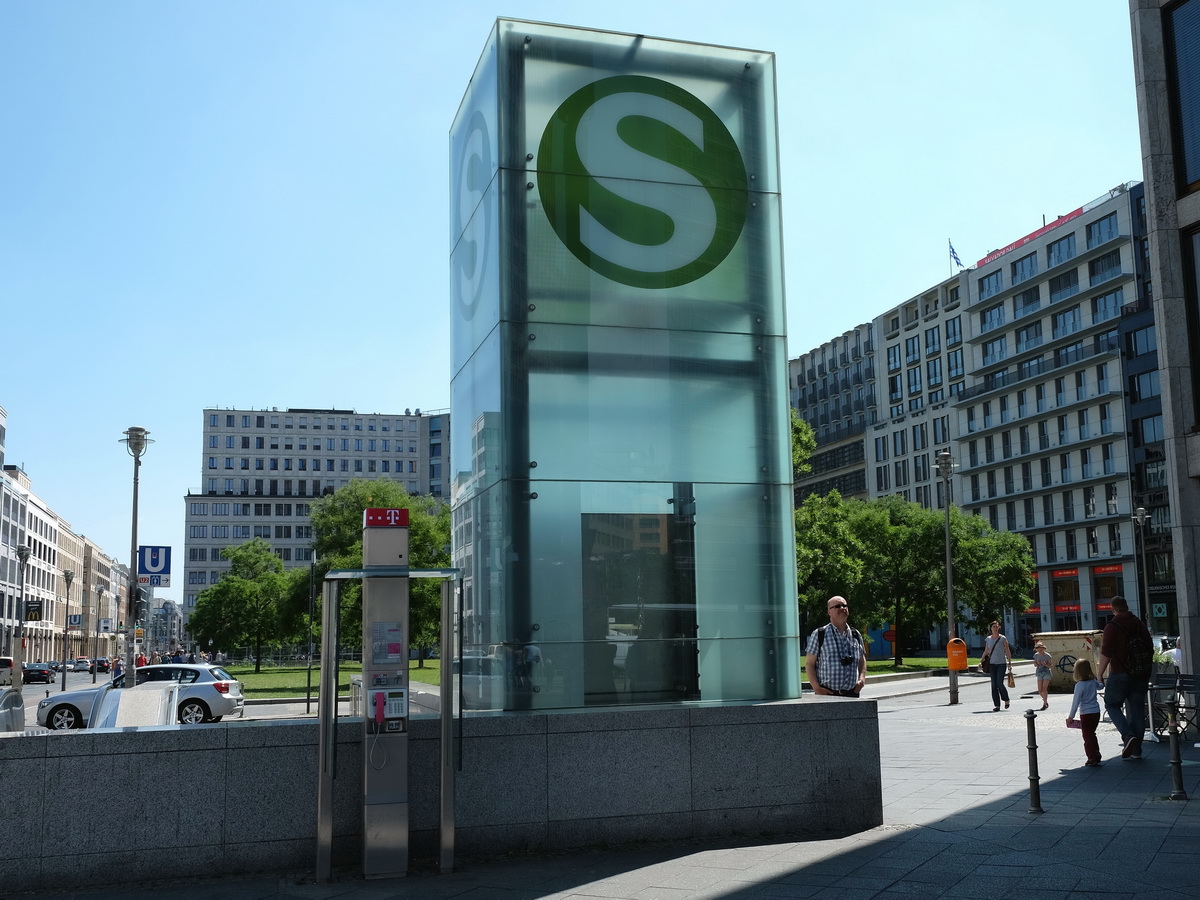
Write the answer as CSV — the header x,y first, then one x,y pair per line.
x,y
642,182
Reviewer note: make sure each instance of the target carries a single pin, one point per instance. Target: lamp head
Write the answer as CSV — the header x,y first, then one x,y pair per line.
x,y
1139,515
136,440
23,554
68,577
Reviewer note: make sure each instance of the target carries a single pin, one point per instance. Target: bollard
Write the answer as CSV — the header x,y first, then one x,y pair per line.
x,y
1035,790
1177,793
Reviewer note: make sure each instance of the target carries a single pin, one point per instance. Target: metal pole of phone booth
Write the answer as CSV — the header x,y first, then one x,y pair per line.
x,y
449,652
327,728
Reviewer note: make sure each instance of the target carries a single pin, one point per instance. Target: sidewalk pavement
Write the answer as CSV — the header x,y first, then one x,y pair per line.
x,y
956,825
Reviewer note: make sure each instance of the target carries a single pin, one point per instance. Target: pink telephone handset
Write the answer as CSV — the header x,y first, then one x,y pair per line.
x,y
379,705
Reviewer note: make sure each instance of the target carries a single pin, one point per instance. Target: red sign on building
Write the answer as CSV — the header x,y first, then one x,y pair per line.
x,y
385,518
1064,573
1105,570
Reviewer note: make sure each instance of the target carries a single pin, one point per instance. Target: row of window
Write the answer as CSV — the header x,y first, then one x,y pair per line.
x,y
357,445
272,487
330,422
1058,252
242,533
301,464
933,344
202,508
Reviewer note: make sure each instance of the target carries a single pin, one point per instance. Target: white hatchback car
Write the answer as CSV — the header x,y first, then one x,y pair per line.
x,y
206,694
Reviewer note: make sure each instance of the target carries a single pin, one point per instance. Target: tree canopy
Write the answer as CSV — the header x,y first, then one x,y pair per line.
x,y
245,607
337,533
887,557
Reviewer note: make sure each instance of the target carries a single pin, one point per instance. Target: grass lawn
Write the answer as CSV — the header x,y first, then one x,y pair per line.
x,y
911,664
291,681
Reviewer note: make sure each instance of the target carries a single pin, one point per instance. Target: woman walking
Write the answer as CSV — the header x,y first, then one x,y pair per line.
x,y
1042,661
999,656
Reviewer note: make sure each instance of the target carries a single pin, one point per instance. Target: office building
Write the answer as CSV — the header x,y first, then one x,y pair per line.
x,y
261,469
1015,367
1166,45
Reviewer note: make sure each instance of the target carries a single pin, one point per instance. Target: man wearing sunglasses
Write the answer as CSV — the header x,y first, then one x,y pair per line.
x,y
836,660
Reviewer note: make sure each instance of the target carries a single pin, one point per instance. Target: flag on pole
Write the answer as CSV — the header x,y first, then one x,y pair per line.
x,y
954,256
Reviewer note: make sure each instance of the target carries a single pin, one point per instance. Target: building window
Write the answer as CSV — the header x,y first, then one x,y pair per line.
x,y
1058,252
1145,386
1064,285
954,364
1150,429
1027,301
912,350
893,358
1104,267
992,317
1102,231
953,331
1067,322
1024,268
991,284
934,371
1029,337
933,341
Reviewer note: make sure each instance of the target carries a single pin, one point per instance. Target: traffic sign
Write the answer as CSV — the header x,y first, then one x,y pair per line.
x,y
1160,610
154,562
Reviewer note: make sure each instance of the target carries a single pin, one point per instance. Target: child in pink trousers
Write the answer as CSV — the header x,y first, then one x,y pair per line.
x,y
1088,706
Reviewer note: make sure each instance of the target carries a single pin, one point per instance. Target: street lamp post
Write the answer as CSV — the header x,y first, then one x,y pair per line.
x,y
68,577
1142,519
136,441
18,679
96,629
945,464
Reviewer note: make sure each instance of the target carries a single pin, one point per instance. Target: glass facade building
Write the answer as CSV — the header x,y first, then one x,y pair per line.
x,y
622,487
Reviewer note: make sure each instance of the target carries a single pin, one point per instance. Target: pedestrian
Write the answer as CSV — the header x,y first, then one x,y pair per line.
x,y
155,659
1088,706
1041,663
1126,655
836,658
999,656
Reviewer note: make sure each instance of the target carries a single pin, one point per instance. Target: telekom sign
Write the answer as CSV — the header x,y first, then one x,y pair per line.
x,y
385,518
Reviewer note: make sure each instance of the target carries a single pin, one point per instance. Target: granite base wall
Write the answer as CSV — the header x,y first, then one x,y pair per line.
x,y
120,806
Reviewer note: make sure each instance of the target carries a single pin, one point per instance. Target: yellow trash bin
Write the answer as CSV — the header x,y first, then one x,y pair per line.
x,y
1064,648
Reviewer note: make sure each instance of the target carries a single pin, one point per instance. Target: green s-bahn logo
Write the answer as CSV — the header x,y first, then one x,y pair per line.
x,y
642,182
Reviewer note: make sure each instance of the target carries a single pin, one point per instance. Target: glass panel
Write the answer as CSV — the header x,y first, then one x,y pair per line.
x,y
631,405
742,294
542,73
663,565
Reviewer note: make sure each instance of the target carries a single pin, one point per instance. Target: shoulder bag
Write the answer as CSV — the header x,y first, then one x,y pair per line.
x,y
985,661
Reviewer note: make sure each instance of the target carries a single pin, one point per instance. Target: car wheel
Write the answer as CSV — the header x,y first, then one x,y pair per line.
x,y
64,717
192,712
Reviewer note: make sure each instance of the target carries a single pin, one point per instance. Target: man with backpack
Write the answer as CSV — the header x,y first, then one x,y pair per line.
x,y
1127,654
836,660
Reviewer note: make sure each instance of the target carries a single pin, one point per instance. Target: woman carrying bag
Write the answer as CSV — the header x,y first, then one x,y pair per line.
x,y
998,658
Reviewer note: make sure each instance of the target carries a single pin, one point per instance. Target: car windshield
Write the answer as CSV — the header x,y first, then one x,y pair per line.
x,y
221,675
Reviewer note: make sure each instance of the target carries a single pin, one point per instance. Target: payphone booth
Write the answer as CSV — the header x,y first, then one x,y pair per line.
x,y
384,712
385,692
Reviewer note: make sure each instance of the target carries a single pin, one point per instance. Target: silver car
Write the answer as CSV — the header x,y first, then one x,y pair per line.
x,y
206,694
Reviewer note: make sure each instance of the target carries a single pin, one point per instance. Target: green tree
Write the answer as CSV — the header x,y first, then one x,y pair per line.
x,y
992,570
829,556
245,606
804,442
337,532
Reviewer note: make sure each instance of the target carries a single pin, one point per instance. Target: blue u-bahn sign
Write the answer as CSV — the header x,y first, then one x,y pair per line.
x,y
154,566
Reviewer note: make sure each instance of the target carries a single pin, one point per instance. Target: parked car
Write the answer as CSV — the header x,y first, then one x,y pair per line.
x,y
82,664
483,681
38,672
6,669
206,694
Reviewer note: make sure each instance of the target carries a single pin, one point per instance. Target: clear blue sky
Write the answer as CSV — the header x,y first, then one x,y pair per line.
x,y
245,204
